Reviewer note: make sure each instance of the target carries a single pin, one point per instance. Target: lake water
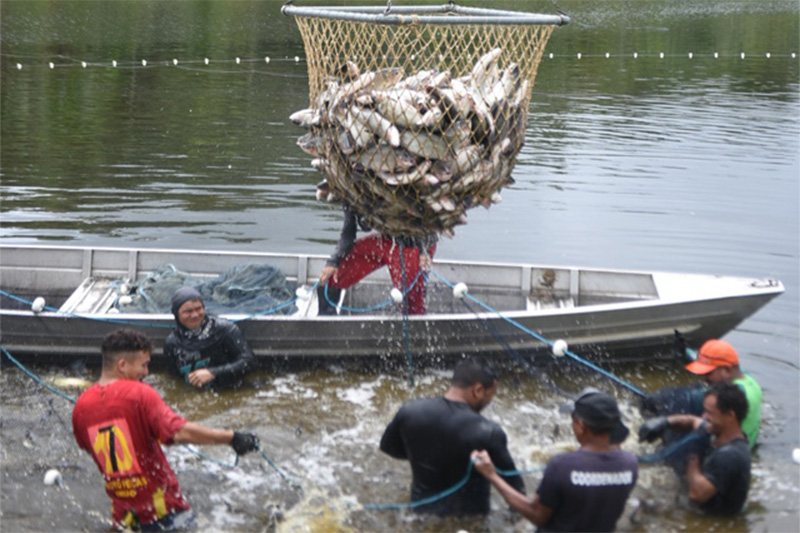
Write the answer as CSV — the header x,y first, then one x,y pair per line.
x,y
677,163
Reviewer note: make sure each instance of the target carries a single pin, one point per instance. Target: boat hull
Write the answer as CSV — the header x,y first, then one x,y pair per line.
x,y
609,314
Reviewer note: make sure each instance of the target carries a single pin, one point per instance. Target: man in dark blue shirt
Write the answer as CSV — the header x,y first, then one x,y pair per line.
x,y
584,490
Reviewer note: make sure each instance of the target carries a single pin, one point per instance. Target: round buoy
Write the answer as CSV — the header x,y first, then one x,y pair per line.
x,y
38,304
460,289
52,477
396,294
302,293
796,455
125,300
560,348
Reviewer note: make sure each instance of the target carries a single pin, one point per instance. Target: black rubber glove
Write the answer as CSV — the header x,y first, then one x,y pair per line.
x,y
651,429
243,443
679,346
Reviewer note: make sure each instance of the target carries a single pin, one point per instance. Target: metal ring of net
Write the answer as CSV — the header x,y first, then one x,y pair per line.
x,y
417,114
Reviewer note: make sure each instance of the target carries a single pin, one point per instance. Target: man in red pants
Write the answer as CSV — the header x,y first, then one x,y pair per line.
x,y
354,259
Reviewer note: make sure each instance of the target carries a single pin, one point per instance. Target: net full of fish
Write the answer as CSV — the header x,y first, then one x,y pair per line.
x,y
413,152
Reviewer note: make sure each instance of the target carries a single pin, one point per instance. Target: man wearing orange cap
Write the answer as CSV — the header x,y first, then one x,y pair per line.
x,y
718,362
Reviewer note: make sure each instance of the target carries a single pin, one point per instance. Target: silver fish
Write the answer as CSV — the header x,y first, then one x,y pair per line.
x,y
426,146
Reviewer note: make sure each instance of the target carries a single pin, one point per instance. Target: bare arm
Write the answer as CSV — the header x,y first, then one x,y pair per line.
x,y
700,488
533,510
196,434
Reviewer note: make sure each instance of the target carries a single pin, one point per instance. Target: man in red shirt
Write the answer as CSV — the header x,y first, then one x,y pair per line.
x,y
122,423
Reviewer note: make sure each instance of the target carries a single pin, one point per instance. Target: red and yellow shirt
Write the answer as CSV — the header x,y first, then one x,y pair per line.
x,y
122,426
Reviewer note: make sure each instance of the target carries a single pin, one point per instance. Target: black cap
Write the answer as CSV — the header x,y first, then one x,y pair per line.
x,y
600,412
181,296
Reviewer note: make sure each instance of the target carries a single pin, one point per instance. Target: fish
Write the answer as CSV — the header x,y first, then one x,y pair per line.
x,y
426,146
376,123
398,107
310,143
66,382
412,153
306,117
383,158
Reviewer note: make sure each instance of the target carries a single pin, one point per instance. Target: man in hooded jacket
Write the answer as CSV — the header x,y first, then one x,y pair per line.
x,y
205,349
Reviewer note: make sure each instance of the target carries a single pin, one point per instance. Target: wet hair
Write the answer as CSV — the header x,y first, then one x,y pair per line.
x,y
123,341
471,371
730,397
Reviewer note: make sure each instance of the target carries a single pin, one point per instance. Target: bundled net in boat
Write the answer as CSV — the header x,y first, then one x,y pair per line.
x,y
244,288
418,114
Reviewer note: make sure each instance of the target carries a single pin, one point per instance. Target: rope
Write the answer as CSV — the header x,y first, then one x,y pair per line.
x,y
88,317
671,449
540,338
36,378
522,362
268,311
406,334
447,492
374,307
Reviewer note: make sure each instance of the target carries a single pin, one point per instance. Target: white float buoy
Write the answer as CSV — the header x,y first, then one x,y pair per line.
x,y
296,59
19,66
768,55
206,61
560,348
551,55
460,289
124,289
238,60
302,293
691,55
51,65
38,304
608,55
175,62
266,59
579,55
635,55
125,300
396,295
716,55
661,55
114,63
144,62
796,455
52,477
83,64
742,55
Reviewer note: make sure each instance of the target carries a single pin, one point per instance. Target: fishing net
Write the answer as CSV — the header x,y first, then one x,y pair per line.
x,y
245,288
417,114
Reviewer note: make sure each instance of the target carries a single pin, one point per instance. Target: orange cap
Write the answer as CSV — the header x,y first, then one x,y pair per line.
x,y
713,353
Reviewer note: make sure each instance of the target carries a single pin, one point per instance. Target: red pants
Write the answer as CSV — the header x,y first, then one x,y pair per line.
x,y
373,251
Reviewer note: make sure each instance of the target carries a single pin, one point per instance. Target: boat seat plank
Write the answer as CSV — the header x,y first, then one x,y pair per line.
x,y
93,296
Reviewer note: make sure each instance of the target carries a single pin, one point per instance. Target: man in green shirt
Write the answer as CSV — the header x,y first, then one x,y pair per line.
x,y
718,362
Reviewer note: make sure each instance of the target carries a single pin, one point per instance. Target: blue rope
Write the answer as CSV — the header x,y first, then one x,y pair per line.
x,y
447,492
288,479
86,317
406,333
537,336
671,449
379,305
514,354
36,378
193,450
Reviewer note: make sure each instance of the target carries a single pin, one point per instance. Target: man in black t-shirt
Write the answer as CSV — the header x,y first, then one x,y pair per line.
x,y
584,490
720,482
436,435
